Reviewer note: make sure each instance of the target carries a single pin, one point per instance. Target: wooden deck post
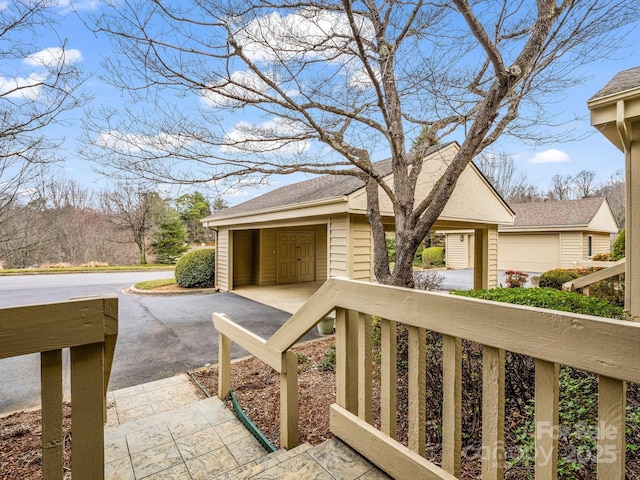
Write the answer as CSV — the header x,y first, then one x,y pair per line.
x,y
452,404
51,397
492,413
289,435
87,395
546,420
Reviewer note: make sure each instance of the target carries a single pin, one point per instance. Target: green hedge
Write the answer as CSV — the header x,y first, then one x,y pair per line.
x,y
618,246
549,298
433,257
196,269
555,278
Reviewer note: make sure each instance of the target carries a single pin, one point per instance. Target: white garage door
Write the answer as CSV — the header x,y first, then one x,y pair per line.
x,y
528,253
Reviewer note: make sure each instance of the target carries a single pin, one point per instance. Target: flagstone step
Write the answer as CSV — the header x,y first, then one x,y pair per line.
x,y
203,439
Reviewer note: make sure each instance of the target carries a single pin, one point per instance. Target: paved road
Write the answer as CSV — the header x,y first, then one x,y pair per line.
x,y
159,336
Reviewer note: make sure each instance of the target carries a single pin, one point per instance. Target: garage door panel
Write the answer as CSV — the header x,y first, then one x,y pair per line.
x,y
531,253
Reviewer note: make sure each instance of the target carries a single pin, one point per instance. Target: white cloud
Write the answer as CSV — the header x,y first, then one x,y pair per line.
x,y
53,56
550,156
78,5
273,136
4,6
308,34
27,88
242,85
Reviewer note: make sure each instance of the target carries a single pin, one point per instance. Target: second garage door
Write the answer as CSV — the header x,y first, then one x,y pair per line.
x,y
528,253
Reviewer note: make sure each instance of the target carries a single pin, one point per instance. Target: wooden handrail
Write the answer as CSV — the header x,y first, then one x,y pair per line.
x,y
613,269
89,328
606,347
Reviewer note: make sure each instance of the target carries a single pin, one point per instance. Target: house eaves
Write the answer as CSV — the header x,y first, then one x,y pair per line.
x,y
326,206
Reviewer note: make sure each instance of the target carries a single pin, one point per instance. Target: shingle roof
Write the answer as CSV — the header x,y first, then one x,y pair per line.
x,y
625,80
324,187
568,213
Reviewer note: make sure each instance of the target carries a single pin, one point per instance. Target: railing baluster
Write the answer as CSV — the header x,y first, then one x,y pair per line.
x,y
365,367
289,401
546,420
492,413
452,404
611,428
224,365
51,397
87,397
417,395
388,377
347,359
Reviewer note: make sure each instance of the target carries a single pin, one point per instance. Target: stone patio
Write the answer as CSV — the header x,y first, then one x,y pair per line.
x,y
166,430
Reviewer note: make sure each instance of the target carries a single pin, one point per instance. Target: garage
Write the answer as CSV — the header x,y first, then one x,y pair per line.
x,y
529,253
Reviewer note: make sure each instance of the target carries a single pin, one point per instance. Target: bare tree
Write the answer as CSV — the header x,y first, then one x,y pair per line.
x,y
614,190
500,170
584,184
324,85
136,210
37,86
561,188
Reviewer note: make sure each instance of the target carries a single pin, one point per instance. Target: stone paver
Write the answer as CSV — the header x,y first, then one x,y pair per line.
x,y
163,430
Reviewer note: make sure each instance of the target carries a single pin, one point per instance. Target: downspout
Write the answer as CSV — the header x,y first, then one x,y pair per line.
x,y
623,128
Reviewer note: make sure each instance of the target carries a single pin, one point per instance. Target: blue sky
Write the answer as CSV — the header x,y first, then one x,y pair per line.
x,y
540,163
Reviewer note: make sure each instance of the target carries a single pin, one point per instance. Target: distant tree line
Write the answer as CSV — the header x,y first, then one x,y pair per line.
x,y
58,221
515,187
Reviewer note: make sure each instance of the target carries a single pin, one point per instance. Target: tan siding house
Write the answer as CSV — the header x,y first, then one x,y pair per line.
x,y
312,230
548,235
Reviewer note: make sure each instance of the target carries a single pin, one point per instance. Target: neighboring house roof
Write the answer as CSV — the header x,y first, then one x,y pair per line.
x,y
324,187
622,81
585,213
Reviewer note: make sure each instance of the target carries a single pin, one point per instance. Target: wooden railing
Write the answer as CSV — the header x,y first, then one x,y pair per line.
x,y
88,327
607,348
611,269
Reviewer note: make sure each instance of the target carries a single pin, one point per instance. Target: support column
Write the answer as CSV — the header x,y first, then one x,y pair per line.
x,y
485,261
615,112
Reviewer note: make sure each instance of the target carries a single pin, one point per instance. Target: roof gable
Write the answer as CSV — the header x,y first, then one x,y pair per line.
x,y
316,189
585,212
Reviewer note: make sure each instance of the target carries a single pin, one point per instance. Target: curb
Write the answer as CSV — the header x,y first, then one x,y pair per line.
x,y
192,291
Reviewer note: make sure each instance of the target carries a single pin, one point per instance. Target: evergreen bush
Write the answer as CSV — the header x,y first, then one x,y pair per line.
x,y
433,257
196,269
618,246
550,298
168,241
555,278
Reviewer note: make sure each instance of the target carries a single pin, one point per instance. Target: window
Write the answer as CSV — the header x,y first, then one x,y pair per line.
x,y
589,247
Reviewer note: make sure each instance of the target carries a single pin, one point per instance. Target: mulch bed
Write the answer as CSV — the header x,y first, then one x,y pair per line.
x,y
21,444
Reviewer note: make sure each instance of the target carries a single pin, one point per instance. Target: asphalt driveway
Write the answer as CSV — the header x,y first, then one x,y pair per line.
x,y
159,336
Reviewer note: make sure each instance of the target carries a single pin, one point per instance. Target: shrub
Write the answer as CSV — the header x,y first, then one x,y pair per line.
x,y
550,298
391,248
618,246
602,257
555,278
515,279
417,259
610,290
427,280
328,362
196,269
433,257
